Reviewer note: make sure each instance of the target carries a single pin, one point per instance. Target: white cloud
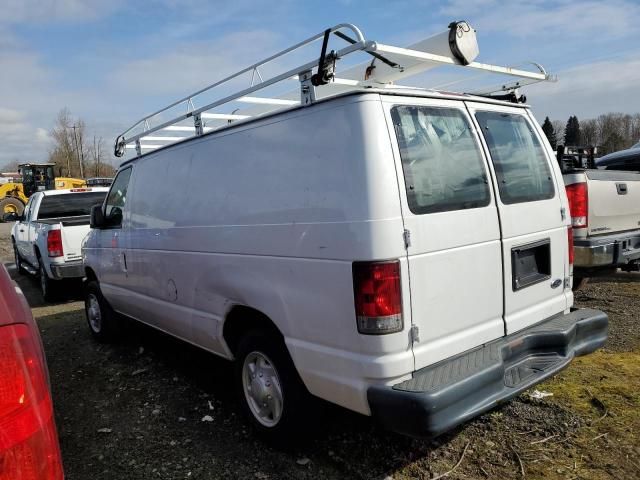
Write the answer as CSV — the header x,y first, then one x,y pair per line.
x,y
589,90
20,141
523,18
24,11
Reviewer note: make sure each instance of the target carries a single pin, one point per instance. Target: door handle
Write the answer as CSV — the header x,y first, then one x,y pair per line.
x,y
622,188
124,258
21,230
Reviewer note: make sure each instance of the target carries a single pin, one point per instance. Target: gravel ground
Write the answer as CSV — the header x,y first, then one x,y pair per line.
x,y
154,407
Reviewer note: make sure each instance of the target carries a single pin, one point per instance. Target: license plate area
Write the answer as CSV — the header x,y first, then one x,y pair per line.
x,y
530,264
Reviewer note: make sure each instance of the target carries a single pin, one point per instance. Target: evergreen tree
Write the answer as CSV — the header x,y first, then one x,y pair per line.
x,y
550,132
572,131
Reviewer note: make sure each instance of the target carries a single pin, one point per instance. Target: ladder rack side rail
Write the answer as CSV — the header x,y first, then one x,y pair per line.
x,y
259,86
360,40
417,54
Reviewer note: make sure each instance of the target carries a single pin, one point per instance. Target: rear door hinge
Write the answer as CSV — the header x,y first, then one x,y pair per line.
x,y
407,238
414,333
563,213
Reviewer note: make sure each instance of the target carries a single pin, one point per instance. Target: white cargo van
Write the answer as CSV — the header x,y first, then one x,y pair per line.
x,y
403,253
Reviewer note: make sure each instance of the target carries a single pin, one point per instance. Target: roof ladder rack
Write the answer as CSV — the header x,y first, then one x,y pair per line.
x,y
317,79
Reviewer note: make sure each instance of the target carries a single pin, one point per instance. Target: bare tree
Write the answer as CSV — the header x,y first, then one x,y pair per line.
x,y
73,149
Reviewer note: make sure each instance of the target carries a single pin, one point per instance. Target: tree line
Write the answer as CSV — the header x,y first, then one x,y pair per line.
x,y
75,151
610,132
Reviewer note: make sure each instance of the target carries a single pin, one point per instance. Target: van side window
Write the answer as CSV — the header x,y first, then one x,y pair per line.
x,y
442,164
117,198
522,169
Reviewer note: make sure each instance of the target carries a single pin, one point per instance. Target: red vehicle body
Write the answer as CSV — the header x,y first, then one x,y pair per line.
x,y
29,448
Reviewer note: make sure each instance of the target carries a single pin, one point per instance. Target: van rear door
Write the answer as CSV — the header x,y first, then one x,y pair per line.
x,y
534,233
453,240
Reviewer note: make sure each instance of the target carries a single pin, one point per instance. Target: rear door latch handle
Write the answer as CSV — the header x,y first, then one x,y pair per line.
x,y
622,188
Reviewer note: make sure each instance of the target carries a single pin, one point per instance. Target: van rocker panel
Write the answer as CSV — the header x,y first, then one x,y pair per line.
x,y
443,395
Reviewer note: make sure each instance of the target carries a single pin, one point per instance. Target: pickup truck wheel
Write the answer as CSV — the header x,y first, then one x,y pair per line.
x,y
103,321
272,395
18,260
579,282
48,287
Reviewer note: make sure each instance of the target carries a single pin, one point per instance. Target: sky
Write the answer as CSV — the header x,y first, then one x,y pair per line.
x,y
110,62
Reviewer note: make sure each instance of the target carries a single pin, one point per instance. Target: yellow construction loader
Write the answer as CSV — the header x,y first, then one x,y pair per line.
x,y
34,177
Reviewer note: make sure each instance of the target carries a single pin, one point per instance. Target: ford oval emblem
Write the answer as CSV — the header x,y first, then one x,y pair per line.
x,y
556,283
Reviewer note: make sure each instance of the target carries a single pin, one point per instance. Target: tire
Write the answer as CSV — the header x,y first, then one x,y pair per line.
x,y
48,287
579,282
103,321
9,205
278,415
18,260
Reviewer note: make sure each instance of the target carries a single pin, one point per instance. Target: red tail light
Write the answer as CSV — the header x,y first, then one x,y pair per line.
x,y
578,204
28,441
570,244
376,287
54,243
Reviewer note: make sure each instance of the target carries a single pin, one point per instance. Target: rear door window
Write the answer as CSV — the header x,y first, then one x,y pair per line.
x,y
442,164
522,168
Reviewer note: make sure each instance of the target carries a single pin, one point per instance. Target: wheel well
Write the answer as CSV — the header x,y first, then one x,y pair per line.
x,y
90,274
241,320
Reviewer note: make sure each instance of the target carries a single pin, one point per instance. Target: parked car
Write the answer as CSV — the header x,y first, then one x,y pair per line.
x,y
400,252
29,448
628,160
605,215
47,237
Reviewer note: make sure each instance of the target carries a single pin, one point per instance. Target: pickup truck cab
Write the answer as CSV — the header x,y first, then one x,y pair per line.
x,y
401,252
605,215
47,238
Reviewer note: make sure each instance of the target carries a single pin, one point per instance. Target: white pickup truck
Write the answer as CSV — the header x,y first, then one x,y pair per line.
x,y
47,238
605,215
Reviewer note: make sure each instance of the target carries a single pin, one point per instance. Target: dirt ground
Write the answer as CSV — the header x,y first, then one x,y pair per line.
x,y
135,410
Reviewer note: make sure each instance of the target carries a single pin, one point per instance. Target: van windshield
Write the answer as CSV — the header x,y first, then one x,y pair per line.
x,y
442,165
69,205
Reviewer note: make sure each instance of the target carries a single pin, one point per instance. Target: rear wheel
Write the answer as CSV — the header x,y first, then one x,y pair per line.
x,y
273,397
48,287
103,321
17,259
11,205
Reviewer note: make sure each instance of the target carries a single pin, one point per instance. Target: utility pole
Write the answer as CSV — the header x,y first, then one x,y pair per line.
x,y
75,138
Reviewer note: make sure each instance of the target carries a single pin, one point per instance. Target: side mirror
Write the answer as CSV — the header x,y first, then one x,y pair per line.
x,y
115,217
11,217
97,217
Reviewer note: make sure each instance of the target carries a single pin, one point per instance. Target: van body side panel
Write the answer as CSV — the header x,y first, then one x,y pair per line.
x,y
271,216
454,256
534,234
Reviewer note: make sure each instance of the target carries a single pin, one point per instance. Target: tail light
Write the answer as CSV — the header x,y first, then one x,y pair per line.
x,y
376,287
570,244
578,204
54,243
28,440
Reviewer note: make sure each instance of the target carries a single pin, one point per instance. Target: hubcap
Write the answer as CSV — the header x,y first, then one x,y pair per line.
x,y
94,315
262,389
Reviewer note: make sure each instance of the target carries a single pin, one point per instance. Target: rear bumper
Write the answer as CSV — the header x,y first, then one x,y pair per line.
x,y
455,390
609,250
67,270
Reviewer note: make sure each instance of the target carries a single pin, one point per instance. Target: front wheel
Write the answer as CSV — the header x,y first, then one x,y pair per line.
x,y
103,321
273,397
